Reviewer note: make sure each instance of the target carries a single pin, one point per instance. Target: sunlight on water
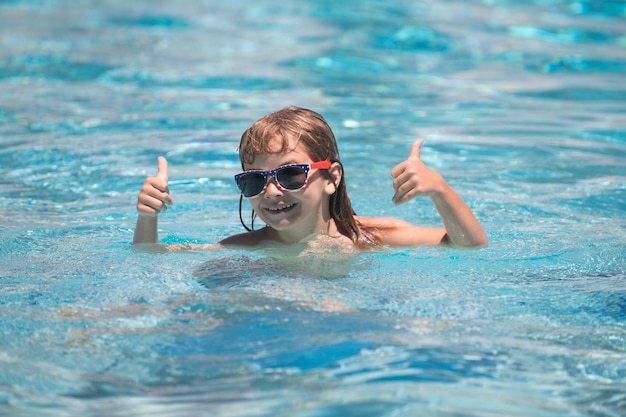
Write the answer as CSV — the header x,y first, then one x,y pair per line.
x,y
521,105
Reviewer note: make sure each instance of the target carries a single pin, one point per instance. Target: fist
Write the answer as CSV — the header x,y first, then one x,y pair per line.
x,y
154,196
412,178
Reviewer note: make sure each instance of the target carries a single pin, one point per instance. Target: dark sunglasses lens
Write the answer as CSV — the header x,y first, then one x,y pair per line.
x,y
291,178
251,184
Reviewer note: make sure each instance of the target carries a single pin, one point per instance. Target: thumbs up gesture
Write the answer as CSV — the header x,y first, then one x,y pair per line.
x,y
155,193
413,179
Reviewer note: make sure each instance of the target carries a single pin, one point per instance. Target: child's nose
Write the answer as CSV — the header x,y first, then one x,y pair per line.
x,y
272,189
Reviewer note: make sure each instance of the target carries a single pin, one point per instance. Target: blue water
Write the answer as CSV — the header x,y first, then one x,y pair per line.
x,y
523,108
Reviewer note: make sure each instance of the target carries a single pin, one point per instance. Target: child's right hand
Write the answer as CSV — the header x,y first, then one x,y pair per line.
x,y
155,193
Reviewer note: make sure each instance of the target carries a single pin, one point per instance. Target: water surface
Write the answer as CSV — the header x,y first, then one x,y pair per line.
x,y
522,108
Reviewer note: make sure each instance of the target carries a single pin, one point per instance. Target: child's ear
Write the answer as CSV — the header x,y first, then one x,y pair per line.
x,y
336,176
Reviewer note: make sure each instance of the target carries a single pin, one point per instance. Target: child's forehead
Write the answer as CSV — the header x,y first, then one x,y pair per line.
x,y
287,156
281,156
277,146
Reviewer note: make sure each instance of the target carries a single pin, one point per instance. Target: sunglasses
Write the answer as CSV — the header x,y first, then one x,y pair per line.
x,y
292,177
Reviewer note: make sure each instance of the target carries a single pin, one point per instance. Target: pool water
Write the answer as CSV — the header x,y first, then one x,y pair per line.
x,y
523,109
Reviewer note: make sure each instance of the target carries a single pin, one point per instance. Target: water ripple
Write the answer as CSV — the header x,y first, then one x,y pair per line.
x,y
53,67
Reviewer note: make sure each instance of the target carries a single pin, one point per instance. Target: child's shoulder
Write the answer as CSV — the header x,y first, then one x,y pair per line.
x,y
252,238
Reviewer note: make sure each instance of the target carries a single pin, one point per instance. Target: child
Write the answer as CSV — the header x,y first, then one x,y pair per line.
x,y
294,181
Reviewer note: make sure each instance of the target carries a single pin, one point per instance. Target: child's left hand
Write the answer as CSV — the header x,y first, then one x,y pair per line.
x,y
413,179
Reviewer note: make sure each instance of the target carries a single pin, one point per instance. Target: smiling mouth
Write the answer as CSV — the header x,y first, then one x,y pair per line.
x,y
281,209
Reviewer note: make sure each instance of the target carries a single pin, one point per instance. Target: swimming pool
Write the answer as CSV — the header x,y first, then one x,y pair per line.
x,y
523,109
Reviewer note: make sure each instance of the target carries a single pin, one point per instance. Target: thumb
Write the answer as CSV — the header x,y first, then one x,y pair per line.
x,y
415,149
162,170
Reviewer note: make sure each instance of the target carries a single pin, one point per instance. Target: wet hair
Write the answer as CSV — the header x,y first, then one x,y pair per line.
x,y
275,132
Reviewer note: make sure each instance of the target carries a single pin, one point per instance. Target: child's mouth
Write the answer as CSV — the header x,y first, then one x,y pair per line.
x,y
281,209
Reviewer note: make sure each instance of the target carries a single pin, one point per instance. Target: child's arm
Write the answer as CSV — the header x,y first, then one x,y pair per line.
x,y
153,198
412,179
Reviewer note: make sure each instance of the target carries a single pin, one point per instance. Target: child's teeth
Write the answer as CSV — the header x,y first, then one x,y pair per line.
x,y
281,208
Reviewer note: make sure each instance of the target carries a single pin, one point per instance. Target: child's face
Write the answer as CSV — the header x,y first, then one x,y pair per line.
x,y
293,214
